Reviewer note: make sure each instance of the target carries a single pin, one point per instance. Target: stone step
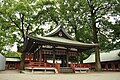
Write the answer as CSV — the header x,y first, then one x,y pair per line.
x,y
66,70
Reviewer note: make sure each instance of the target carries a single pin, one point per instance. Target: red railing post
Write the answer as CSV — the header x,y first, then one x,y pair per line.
x,y
73,67
58,67
45,65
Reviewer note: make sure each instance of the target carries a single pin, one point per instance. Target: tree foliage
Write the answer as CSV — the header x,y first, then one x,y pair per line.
x,y
23,17
19,15
13,54
86,20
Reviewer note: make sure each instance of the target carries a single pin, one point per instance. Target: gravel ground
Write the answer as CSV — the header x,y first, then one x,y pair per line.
x,y
15,75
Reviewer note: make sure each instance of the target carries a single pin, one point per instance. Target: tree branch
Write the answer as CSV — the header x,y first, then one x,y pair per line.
x,y
27,28
102,8
15,24
22,23
97,9
91,6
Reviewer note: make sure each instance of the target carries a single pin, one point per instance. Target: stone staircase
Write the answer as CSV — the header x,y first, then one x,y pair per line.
x,y
66,70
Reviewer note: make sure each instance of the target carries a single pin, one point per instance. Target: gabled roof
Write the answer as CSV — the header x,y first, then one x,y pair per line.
x,y
57,37
33,42
65,41
106,56
59,31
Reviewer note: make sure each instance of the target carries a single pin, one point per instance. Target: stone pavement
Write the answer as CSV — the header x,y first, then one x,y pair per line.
x,y
15,75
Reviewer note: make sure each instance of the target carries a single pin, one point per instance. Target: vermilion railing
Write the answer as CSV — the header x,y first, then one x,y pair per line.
x,y
57,66
39,64
42,64
80,66
28,57
73,67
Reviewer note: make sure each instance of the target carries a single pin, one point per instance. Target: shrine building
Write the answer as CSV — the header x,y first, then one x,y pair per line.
x,y
54,51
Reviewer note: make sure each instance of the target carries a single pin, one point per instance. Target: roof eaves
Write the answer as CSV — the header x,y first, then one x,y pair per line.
x,y
56,42
53,31
67,34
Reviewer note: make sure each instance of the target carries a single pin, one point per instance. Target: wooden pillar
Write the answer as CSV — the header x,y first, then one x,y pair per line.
x,y
38,58
30,57
113,66
77,56
53,55
106,66
118,65
40,54
81,57
67,57
34,57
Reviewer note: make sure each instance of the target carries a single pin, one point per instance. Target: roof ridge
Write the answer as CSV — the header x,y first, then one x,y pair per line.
x,y
56,30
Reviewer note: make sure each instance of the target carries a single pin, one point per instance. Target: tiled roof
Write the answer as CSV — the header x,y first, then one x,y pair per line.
x,y
106,56
63,40
13,59
33,42
57,37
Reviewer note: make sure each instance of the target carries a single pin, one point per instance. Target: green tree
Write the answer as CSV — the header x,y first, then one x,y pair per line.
x,y
87,17
115,28
12,54
18,16
47,13
96,11
6,38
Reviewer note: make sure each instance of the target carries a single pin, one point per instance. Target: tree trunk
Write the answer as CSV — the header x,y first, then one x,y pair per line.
x,y
97,60
22,61
95,40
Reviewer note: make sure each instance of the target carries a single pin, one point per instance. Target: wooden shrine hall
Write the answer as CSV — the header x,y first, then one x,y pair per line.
x,y
54,51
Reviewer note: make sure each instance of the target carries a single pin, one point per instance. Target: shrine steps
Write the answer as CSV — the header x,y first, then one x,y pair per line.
x,y
41,70
81,70
66,70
